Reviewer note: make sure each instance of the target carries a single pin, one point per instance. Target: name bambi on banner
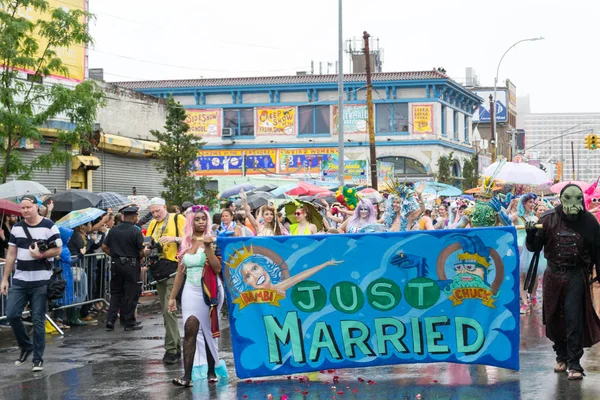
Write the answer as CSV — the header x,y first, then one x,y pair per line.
x,y
339,301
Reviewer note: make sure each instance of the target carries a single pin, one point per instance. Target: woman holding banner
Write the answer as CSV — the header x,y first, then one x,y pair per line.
x,y
201,301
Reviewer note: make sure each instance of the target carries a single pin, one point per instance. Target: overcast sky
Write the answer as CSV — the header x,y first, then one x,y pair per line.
x,y
198,38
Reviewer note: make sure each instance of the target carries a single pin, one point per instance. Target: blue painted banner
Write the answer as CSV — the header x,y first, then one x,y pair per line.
x,y
308,303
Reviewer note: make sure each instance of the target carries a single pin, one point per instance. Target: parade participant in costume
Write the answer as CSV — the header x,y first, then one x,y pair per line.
x,y
304,225
571,239
363,215
442,217
228,224
201,301
524,214
403,206
269,225
592,200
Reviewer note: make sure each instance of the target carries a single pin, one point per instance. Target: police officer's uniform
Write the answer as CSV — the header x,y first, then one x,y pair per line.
x,y
125,243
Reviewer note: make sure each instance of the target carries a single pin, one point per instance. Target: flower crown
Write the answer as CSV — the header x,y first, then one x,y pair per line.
x,y
198,208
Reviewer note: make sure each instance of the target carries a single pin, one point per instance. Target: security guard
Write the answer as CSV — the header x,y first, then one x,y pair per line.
x,y
124,243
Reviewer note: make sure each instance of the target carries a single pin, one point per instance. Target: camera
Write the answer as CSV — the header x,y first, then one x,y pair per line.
x,y
44,245
155,249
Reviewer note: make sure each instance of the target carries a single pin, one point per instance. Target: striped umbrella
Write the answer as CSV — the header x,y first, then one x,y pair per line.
x,y
112,200
79,217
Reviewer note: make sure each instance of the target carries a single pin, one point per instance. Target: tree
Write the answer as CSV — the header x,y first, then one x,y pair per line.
x,y
206,196
26,103
176,155
445,164
471,173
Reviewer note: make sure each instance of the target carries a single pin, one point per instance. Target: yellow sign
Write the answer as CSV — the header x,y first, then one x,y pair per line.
x,y
265,296
275,121
422,118
204,122
486,296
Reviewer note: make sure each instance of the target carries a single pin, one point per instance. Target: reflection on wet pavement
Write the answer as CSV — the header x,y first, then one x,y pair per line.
x,y
90,363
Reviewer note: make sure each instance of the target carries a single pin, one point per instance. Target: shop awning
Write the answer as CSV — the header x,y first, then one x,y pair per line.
x,y
86,162
127,146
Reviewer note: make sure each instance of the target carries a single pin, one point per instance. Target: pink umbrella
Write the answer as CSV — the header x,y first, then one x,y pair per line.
x,y
556,188
306,189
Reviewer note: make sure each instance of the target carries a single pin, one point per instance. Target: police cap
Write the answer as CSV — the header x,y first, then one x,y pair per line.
x,y
130,209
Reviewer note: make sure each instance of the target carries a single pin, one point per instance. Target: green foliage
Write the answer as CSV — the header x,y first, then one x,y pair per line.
x,y
176,155
445,164
205,196
471,173
33,46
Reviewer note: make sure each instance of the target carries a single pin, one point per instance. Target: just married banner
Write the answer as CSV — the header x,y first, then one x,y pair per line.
x,y
308,303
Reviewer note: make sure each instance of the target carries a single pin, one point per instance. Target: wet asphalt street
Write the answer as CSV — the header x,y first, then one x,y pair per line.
x,y
90,363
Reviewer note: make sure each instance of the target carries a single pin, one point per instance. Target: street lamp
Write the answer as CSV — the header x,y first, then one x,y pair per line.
x,y
496,88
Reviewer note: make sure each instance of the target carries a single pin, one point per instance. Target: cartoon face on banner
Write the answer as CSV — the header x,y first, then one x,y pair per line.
x,y
307,303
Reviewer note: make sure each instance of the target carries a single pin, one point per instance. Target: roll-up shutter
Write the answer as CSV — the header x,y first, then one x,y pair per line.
x,y
121,173
56,178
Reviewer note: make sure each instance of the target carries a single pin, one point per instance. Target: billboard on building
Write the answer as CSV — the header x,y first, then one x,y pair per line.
x,y
73,58
232,162
512,96
305,161
422,118
204,122
483,113
355,171
275,121
355,119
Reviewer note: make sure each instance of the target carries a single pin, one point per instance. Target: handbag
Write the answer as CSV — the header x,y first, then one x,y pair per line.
x,y
57,285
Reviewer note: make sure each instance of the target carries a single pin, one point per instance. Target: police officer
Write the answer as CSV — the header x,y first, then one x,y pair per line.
x,y
124,243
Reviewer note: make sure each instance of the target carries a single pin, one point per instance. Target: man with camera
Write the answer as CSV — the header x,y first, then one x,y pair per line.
x,y
33,243
124,244
162,243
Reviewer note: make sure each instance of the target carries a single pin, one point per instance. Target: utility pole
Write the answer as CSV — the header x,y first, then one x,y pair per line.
x,y
573,160
513,151
340,72
372,152
493,127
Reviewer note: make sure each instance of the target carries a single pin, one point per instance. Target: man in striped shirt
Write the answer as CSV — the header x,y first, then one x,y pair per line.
x,y
30,281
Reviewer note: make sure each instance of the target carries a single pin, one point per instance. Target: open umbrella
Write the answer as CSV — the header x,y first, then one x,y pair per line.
x,y
520,173
75,199
112,200
79,217
141,201
441,189
371,194
259,199
556,188
15,189
313,214
306,189
235,190
8,207
281,190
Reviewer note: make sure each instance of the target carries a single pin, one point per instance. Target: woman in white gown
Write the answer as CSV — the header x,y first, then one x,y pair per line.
x,y
201,301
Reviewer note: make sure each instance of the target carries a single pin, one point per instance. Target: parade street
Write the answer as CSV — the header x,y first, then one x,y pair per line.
x,y
90,363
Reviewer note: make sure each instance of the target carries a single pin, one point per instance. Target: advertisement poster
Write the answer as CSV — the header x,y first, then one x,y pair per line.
x,y
385,172
422,115
355,171
355,119
483,113
230,162
275,121
206,122
306,161
310,303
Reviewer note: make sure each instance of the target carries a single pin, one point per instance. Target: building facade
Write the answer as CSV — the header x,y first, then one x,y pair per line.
x,y
287,125
558,139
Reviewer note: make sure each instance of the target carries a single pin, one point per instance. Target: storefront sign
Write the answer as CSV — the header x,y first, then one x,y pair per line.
x,y
385,173
422,115
355,119
275,121
309,303
205,122
355,171
305,161
231,162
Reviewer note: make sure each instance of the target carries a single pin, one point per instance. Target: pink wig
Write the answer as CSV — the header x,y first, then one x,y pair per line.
x,y
188,229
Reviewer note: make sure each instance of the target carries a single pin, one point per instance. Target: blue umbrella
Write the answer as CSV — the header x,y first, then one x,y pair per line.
x,y
79,217
441,189
235,190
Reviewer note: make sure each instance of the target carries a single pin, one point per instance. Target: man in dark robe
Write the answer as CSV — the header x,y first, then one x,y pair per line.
x,y
570,238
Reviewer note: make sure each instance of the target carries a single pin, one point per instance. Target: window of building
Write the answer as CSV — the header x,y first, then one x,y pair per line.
x,y
466,119
444,132
405,165
455,125
314,120
240,120
391,117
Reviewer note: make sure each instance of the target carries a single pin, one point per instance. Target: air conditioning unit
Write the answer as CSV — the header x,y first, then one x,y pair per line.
x,y
227,132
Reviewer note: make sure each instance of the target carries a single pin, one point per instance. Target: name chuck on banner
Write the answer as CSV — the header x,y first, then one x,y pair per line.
x,y
308,303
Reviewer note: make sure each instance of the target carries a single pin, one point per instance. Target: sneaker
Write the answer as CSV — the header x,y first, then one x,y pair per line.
x,y
23,357
170,358
524,309
38,366
110,327
133,328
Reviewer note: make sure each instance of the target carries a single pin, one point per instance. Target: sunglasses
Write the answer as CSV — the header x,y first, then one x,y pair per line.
x,y
363,209
298,213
